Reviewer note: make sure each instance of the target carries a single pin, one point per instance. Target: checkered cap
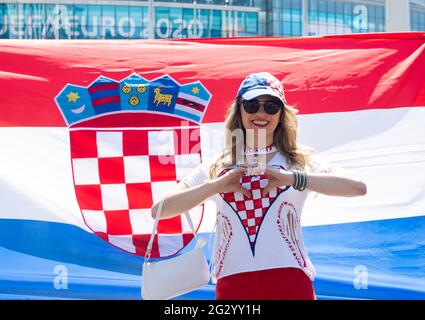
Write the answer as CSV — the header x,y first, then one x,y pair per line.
x,y
119,174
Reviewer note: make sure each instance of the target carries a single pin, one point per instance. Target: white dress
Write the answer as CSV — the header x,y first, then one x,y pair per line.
x,y
262,232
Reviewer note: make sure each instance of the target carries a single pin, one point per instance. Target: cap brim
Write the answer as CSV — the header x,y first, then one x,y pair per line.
x,y
252,94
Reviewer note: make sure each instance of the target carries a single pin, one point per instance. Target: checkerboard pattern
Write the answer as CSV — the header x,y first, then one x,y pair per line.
x,y
119,174
251,211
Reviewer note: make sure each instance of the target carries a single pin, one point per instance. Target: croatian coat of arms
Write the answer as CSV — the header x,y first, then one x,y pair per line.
x,y
131,141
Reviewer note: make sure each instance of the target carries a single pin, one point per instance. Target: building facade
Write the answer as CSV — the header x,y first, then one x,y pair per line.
x,y
118,19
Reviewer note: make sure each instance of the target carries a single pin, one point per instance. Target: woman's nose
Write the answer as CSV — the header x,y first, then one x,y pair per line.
x,y
261,109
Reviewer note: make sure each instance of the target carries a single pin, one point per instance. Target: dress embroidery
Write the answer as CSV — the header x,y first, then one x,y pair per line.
x,y
289,226
224,235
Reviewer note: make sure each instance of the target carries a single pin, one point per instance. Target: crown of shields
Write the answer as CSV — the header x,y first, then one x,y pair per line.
x,y
131,142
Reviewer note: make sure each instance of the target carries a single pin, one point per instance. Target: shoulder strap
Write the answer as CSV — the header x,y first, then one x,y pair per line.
x,y
155,226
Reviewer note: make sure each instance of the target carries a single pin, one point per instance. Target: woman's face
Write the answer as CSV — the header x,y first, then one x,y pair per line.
x,y
261,119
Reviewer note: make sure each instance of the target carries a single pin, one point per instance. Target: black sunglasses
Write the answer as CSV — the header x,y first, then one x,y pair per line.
x,y
271,106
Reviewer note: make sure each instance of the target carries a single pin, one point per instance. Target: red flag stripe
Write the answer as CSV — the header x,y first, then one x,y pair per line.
x,y
380,71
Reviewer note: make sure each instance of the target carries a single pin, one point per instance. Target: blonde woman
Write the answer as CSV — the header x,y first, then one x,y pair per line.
x,y
259,185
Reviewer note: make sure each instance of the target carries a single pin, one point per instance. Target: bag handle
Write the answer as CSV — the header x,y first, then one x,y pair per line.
x,y
155,226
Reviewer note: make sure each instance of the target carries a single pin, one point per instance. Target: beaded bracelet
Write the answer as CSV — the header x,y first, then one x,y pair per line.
x,y
300,180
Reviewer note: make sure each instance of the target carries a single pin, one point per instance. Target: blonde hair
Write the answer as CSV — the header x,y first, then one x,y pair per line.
x,y
285,140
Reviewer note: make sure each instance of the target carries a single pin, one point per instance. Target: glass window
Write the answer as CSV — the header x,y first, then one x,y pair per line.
x,y
380,18
191,28
3,23
216,23
413,26
204,16
339,16
124,24
296,4
176,13
12,20
94,15
91,28
331,12
24,20
380,13
296,15
135,14
286,15
123,12
109,11
81,19
322,12
177,23
421,23
418,21
348,16
163,26
287,30
371,14
51,32
313,8
252,23
286,4
62,16
108,22
20,22
239,24
313,5
145,25
296,29
10,9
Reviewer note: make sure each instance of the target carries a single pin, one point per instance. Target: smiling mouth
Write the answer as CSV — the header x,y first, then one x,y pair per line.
x,y
260,123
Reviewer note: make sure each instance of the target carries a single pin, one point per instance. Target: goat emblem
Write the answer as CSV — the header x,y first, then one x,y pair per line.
x,y
162,98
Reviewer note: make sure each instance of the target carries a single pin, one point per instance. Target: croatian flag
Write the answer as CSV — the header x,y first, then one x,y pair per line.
x,y
75,219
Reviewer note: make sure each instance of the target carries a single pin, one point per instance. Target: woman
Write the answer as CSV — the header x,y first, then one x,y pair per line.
x,y
259,185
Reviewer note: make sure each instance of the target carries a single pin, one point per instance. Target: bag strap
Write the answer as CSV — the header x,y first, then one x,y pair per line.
x,y
155,226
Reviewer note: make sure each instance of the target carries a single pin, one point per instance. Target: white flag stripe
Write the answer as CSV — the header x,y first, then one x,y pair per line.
x,y
189,110
383,147
95,219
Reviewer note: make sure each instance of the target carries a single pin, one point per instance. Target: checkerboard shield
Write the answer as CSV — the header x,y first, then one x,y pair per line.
x,y
120,172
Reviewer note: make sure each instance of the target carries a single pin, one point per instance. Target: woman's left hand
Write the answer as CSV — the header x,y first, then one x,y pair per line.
x,y
277,178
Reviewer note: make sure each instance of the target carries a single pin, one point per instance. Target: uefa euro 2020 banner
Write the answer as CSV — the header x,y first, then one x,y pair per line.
x,y
94,132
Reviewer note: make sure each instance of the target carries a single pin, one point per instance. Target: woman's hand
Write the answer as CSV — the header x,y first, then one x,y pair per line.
x,y
230,182
277,178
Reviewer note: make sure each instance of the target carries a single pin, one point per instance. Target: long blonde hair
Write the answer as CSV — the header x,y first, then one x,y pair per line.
x,y
285,140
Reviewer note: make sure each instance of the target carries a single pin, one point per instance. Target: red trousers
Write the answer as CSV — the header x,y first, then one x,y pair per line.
x,y
271,284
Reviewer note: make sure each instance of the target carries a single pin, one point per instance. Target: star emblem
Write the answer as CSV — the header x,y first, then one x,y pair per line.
x,y
195,90
73,96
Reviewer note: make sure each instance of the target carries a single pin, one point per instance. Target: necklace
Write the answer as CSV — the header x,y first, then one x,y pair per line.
x,y
254,151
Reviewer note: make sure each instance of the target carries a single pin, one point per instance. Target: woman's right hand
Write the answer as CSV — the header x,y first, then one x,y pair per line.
x,y
230,182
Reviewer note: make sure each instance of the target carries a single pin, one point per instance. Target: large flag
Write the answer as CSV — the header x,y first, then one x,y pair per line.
x,y
78,119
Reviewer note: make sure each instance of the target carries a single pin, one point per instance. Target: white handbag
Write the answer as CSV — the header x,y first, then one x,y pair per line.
x,y
167,279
